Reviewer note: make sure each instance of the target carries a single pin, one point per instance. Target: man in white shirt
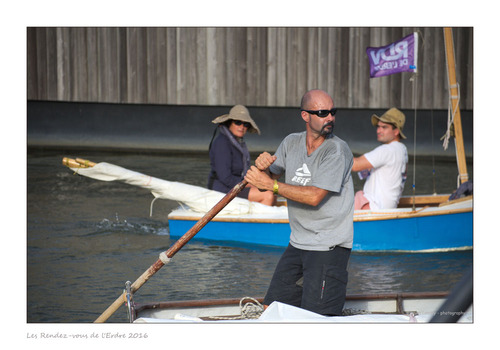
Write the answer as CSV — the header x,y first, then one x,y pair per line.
x,y
384,167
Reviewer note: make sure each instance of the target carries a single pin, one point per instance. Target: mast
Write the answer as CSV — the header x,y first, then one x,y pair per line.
x,y
454,96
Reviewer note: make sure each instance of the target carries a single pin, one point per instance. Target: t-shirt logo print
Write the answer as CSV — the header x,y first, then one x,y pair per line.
x,y
302,175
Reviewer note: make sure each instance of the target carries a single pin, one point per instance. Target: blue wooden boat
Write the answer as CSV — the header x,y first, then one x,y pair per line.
x,y
420,224
445,226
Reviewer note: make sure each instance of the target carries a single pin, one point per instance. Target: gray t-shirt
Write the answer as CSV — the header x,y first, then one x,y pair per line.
x,y
330,223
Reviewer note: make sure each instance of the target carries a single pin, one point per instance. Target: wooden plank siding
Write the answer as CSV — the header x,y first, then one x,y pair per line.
x,y
255,66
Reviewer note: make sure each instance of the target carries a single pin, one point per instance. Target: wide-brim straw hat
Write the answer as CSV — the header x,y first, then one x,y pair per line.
x,y
393,116
238,112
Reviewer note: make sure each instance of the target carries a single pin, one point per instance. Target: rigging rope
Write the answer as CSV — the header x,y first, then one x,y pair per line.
x,y
433,158
451,116
413,79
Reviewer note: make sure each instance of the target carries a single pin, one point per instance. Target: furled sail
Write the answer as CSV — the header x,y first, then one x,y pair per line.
x,y
197,198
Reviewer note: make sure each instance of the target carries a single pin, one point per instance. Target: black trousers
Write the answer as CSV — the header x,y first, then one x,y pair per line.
x,y
313,280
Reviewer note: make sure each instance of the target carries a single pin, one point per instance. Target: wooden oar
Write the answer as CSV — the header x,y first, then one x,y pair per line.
x,y
168,254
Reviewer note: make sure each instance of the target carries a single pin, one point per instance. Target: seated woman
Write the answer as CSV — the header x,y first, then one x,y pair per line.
x,y
229,156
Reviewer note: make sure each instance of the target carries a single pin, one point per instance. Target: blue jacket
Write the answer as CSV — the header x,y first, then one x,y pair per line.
x,y
227,163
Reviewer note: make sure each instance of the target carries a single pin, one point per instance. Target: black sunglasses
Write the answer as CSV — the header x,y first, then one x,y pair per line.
x,y
239,122
322,113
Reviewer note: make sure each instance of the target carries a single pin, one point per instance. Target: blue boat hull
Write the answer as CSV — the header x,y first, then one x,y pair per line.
x,y
438,232
419,233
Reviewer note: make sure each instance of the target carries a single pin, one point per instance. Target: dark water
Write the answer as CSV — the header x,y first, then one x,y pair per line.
x,y
86,238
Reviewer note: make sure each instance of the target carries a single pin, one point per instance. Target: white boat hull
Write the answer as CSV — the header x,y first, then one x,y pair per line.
x,y
386,308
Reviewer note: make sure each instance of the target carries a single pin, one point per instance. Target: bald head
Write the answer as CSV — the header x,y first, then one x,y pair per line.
x,y
312,97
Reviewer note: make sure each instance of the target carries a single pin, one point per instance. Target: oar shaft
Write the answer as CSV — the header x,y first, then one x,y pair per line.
x,y
205,219
174,249
110,310
135,286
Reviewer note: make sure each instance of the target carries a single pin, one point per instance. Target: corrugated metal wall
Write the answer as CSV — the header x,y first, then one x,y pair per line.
x,y
256,66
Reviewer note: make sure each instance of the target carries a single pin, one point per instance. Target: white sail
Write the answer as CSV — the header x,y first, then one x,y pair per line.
x,y
197,198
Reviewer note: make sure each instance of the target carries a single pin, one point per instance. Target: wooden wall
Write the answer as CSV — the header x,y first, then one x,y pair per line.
x,y
256,66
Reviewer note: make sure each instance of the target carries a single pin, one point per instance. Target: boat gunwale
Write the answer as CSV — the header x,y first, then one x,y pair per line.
x,y
398,297
409,215
358,217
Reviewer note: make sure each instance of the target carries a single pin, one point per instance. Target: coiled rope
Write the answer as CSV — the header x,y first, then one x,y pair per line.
x,y
252,309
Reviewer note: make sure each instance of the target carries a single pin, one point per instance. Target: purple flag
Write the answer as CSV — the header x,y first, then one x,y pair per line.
x,y
400,56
